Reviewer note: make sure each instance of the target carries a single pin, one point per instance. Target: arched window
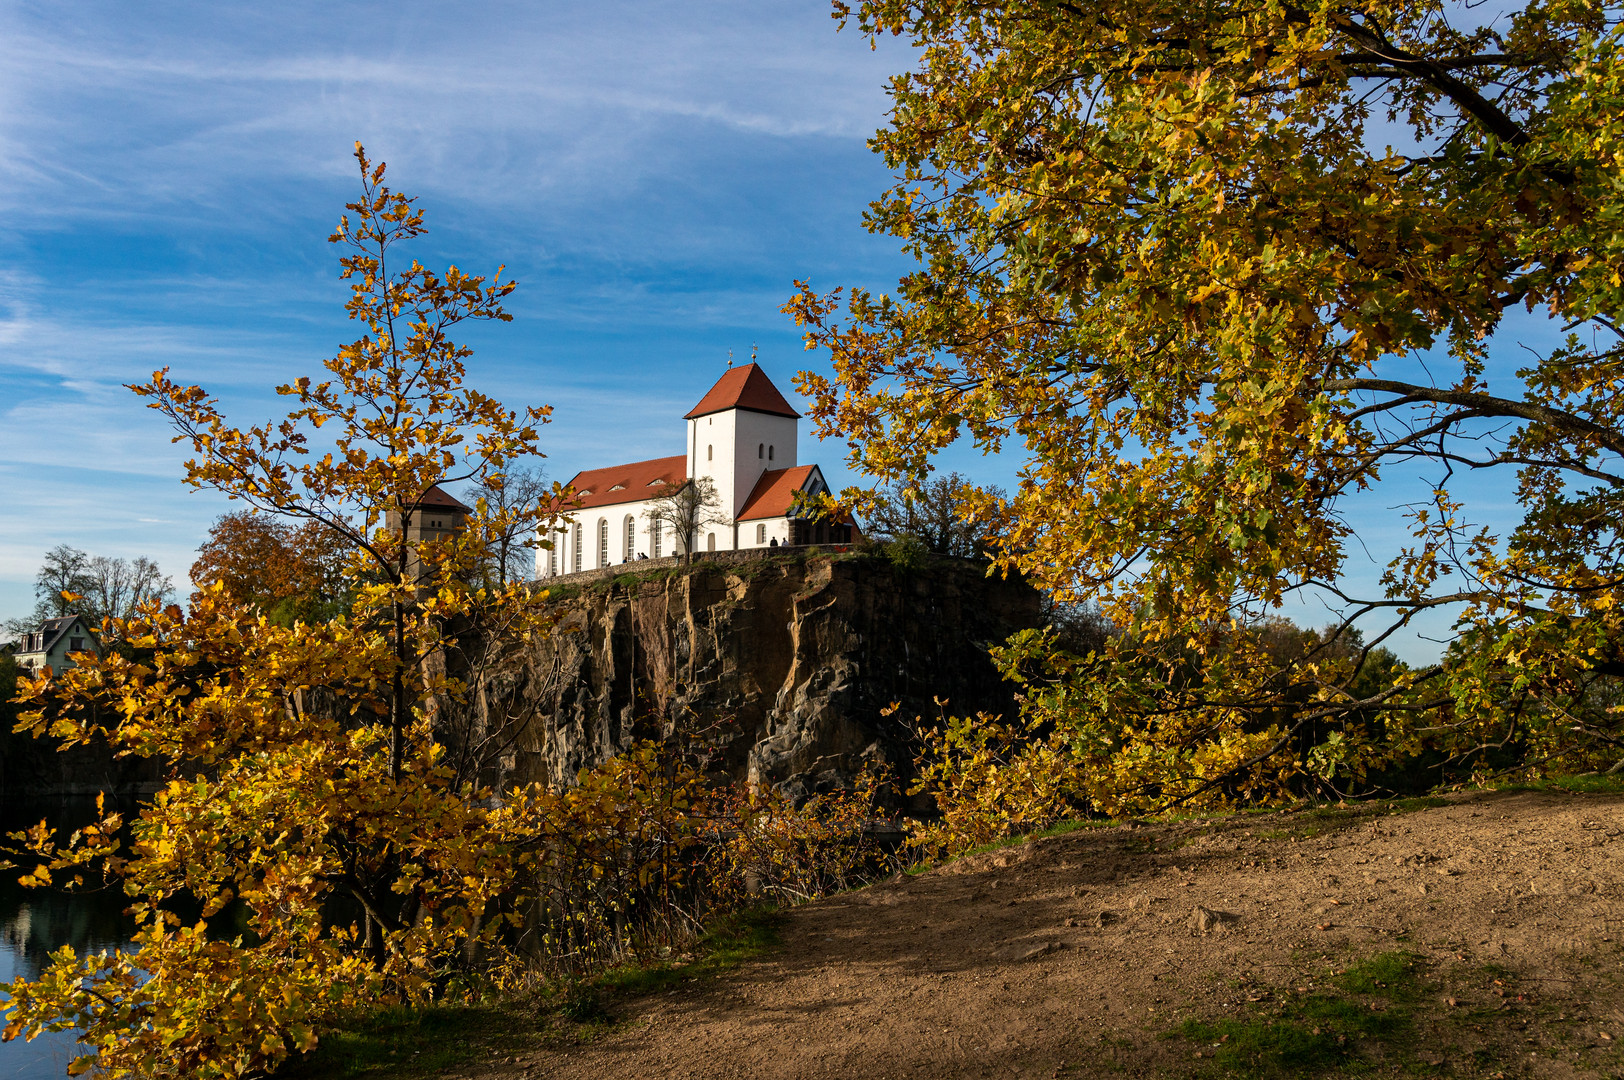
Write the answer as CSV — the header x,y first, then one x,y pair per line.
x,y
708,455
769,453
710,542
552,560
631,539
576,548
655,528
761,533
603,542
761,450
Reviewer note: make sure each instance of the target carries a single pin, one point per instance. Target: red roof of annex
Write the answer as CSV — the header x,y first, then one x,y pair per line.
x,y
774,493
744,387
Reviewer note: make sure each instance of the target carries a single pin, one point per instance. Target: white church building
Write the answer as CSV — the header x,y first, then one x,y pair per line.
x,y
742,436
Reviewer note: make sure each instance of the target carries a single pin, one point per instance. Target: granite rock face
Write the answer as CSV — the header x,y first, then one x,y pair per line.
x,y
785,664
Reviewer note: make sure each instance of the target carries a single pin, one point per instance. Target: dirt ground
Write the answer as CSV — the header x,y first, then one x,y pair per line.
x,y
1088,954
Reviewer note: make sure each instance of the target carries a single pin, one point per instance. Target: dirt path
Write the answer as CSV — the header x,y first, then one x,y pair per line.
x,y
1075,956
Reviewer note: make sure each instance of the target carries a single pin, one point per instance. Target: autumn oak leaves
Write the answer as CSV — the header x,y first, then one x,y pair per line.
x,y
1167,255
1211,271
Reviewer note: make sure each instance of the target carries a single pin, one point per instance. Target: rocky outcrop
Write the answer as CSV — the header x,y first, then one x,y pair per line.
x,y
786,665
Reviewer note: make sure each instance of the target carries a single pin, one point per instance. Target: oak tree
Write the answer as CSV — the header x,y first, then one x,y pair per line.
x,y
932,512
1217,269
291,573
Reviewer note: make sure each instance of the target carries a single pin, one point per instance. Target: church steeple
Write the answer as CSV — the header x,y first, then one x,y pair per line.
x,y
744,387
740,429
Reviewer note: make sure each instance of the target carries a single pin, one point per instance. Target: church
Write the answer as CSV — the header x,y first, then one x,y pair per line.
x,y
742,437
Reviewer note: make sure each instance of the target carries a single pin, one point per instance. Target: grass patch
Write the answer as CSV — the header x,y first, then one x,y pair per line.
x,y
429,1042
728,943
416,1042
1590,784
1367,1012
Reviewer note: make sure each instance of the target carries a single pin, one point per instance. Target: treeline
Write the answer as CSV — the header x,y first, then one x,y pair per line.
x,y
98,587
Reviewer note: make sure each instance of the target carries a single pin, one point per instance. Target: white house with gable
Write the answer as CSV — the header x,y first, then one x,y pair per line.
x,y
742,436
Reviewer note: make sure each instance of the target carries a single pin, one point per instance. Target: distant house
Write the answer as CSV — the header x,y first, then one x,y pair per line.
x,y
53,644
742,437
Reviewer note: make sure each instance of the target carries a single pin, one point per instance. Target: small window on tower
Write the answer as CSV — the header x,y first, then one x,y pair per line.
x,y
761,450
769,453
707,452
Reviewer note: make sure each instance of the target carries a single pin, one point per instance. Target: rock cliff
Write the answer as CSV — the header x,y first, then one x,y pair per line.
x,y
787,662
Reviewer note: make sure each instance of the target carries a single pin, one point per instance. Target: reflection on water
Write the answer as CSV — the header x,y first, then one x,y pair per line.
x,y
34,922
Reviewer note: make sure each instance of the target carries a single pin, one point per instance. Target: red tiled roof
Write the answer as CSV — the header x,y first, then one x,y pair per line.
x,y
630,483
744,387
774,493
436,499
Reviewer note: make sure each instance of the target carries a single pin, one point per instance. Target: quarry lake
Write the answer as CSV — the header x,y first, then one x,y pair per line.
x,y
33,923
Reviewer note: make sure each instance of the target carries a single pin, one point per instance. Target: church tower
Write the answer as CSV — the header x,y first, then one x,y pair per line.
x,y
739,430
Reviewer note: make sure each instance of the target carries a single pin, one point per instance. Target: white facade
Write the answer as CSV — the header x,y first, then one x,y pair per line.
x,y
608,536
742,430
735,447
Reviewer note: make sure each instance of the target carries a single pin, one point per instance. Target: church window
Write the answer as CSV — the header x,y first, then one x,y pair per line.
x,y
603,542
631,538
708,449
769,453
656,528
761,533
710,542
761,450
577,546
552,560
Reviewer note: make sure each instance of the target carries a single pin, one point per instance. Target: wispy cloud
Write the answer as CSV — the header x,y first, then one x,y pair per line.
x,y
655,173
525,98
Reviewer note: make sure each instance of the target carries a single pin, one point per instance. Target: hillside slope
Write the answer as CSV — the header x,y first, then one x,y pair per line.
x,y
1478,937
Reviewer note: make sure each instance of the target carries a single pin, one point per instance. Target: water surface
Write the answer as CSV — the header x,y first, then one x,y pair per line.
x,y
33,922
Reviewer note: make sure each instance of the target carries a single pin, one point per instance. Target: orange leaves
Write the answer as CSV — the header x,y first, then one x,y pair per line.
x,y
309,707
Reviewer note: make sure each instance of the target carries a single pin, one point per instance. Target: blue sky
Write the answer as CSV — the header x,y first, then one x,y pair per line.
x,y
655,175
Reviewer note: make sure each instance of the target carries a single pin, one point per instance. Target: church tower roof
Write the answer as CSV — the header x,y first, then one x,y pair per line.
x,y
744,387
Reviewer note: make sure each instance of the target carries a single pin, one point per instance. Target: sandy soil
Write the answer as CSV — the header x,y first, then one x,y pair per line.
x,y
1079,955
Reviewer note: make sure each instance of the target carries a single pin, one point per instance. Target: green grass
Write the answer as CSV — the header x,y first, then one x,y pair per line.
x,y
428,1042
1321,1033
1578,785
416,1042
728,943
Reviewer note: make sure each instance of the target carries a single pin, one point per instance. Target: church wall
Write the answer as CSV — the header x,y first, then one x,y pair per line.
x,y
711,440
754,433
615,515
